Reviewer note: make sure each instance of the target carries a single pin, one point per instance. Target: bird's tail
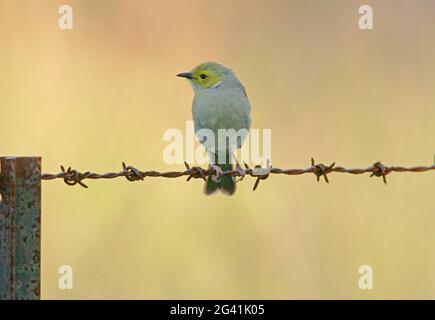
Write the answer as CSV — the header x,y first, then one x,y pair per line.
x,y
226,185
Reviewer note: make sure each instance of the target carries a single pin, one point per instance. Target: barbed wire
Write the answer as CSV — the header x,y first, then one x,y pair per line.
x,y
72,177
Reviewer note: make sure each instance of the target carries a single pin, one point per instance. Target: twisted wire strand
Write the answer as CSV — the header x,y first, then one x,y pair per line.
x,y
72,177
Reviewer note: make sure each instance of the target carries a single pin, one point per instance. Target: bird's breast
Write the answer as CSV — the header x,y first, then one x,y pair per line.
x,y
219,109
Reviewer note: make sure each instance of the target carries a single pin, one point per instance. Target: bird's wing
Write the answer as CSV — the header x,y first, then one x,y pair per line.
x,y
242,88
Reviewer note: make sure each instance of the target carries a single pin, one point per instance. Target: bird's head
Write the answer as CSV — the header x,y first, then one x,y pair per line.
x,y
208,75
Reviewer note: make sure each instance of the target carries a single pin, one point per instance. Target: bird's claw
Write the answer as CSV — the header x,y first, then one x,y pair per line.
x,y
216,173
240,171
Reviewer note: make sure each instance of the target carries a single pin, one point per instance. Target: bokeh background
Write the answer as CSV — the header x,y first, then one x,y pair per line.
x,y
106,91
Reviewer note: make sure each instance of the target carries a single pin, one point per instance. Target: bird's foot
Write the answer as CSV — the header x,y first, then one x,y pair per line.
x,y
240,171
216,177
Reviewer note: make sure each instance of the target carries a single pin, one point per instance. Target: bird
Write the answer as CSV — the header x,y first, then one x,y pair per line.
x,y
220,102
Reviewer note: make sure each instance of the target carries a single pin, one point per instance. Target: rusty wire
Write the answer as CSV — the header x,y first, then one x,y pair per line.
x,y
72,177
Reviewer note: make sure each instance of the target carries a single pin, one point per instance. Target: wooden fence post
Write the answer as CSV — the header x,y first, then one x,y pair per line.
x,y
20,227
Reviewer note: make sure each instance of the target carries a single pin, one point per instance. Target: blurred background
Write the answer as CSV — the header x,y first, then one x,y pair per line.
x,y
106,91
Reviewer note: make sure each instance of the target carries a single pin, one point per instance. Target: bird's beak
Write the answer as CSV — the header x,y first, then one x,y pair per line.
x,y
187,75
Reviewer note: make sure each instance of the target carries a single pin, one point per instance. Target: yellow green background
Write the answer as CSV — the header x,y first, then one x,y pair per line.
x,y
106,91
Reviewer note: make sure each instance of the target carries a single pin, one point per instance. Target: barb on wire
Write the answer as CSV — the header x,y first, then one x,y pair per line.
x,y
72,177
321,170
380,171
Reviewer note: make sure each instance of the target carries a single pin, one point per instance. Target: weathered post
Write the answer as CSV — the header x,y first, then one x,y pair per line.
x,y
20,227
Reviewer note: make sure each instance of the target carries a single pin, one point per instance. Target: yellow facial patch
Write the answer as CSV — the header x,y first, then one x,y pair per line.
x,y
205,77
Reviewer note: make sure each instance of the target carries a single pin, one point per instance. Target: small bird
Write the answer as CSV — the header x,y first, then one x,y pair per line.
x,y
220,102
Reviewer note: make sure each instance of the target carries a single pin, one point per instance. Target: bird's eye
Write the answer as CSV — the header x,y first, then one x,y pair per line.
x,y
203,76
